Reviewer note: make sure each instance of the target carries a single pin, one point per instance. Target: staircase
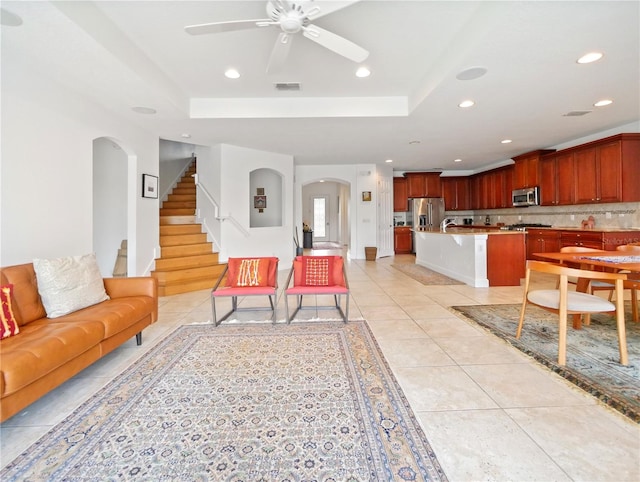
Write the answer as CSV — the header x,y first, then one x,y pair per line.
x,y
187,261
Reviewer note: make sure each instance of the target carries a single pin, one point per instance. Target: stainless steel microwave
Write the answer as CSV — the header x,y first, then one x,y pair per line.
x,y
529,196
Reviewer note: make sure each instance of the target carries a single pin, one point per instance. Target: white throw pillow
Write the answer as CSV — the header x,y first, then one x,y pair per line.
x,y
69,284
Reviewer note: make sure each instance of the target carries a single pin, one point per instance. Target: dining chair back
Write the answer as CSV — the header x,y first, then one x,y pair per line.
x,y
632,283
565,302
243,277
318,276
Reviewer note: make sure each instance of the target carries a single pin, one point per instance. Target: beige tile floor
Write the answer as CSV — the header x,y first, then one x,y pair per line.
x,y
490,412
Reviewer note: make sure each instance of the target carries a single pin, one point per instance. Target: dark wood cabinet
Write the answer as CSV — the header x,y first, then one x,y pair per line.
x,y
400,198
455,191
599,174
525,172
551,240
557,179
402,239
491,189
423,184
542,241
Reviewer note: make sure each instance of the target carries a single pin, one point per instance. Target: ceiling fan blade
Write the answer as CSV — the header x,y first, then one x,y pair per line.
x,y
338,44
279,53
219,27
320,8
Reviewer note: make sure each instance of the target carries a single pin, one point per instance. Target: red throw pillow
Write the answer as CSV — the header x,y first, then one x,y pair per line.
x,y
245,272
8,324
317,270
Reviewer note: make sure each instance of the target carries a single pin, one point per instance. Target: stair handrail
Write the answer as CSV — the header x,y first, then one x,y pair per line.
x,y
216,207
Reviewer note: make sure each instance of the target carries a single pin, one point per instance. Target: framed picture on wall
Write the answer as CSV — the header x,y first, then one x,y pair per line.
x,y
366,195
260,191
259,202
150,186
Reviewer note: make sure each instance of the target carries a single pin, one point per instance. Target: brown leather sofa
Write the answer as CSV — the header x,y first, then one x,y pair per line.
x,y
47,352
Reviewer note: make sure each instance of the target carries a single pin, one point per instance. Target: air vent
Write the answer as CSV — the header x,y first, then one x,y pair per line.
x,y
287,86
576,113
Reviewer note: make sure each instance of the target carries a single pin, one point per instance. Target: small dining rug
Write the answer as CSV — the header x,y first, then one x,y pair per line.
x,y
425,275
593,359
306,401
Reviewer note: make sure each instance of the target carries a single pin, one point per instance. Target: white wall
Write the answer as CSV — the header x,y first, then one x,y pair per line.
x,y
272,184
236,200
109,202
174,159
47,170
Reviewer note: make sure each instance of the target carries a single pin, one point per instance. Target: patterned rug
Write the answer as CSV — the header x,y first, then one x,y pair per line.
x,y
306,401
425,275
592,352
326,245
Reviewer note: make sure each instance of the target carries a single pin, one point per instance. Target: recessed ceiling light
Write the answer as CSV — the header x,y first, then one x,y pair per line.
x,y
472,73
186,136
590,57
457,160
466,103
232,74
389,160
144,110
414,142
603,102
363,72
506,141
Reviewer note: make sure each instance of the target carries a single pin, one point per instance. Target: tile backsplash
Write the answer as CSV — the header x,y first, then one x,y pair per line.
x,y
614,215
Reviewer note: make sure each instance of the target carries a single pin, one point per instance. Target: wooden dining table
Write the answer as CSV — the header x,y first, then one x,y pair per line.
x,y
613,260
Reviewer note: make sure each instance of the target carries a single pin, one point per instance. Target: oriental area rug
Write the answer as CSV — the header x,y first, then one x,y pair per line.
x,y
425,275
299,402
593,359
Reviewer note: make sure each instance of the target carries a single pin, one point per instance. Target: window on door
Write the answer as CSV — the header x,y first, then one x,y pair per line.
x,y
319,217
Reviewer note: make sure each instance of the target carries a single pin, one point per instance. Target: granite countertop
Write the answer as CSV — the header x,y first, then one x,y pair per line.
x,y
467,231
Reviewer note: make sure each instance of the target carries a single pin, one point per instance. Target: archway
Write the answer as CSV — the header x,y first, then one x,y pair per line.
x,y
335,196
111,206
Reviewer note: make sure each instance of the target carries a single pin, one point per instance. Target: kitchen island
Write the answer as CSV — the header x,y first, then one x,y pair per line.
x,y
477,257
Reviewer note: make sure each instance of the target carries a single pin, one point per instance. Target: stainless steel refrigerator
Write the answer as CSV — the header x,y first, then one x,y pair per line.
x,y
426,213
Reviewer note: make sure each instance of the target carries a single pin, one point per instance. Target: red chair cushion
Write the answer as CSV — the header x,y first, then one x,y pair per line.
x,y
336,276
245,272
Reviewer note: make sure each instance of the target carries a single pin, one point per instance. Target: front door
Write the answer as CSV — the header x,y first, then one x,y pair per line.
x,y
320,221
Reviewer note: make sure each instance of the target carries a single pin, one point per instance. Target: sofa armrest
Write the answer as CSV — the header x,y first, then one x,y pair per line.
x,y
135,286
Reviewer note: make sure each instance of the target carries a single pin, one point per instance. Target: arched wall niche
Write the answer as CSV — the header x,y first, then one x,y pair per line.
x,y
114,193
266,206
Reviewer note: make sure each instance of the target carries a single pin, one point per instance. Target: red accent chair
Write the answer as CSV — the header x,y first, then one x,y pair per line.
x,y
262,281
309,280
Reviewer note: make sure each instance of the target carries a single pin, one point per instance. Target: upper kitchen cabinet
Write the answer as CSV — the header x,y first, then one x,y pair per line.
x,y
455,191
400,198
607,170
423,184
557,179
525,172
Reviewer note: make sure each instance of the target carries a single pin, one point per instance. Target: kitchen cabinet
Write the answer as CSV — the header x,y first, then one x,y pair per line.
x,y
557,179
542,241
492,189
400,198
423,184
598,174
402,239
455,191
525,172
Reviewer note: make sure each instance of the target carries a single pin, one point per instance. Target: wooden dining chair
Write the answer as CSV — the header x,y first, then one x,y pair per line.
x,y
632,283
565,302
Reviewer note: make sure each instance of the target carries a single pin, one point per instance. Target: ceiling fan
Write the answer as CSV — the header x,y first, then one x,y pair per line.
x,y
292,17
